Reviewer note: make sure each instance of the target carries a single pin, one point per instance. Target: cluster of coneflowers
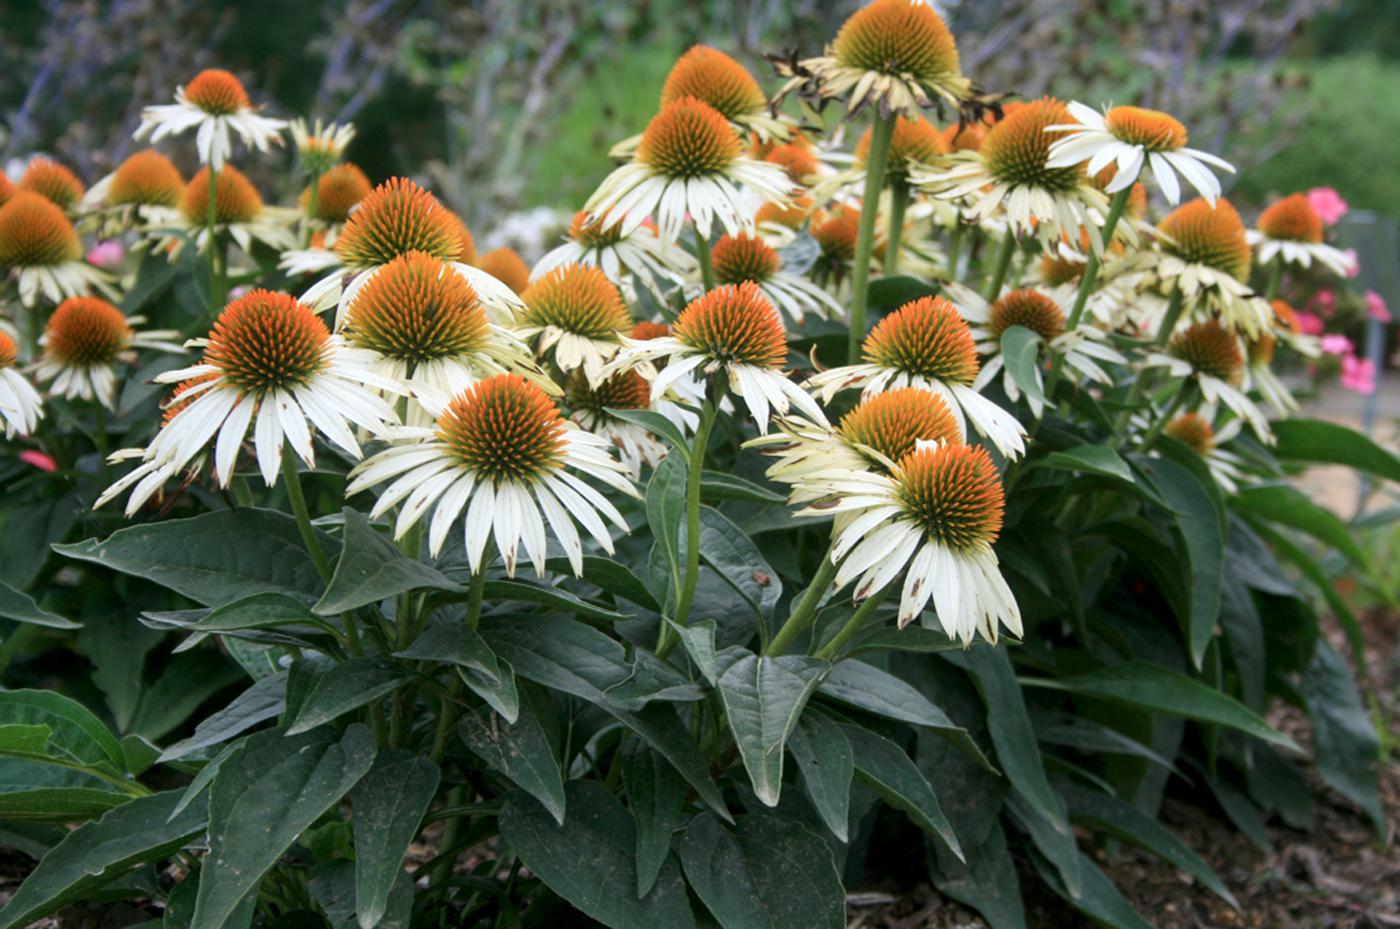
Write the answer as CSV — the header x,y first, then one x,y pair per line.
x,y
479,395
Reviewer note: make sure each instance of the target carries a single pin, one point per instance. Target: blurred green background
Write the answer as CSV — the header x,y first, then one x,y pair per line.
x,y
504,106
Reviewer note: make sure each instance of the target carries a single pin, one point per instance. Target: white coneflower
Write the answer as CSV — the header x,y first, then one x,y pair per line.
x,y
1210,354
146,186
20,405
215,104
53,182
84,341
1194,431
1259,374
41,250
502,458
926,343
741,258
895,55
1081,350
426,327
934,519
1007,179
591,407
320,145
638,253
690,164
1291,231
339,190
577,318
1132,138
270,366
396,218
239,212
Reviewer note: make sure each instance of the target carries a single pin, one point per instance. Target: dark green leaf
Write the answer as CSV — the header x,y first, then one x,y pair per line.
x,y
19,606
1347,747
698,638
765,873
524,592
389,803
1090,459
193,556
97,853
1149,686
588,860
265,796
345,687
654,423
656,795
1311,570
897,290
987,882
520,751
763,697
263,701
824,758
616,579
1097,897
909,639
1020,352
76,738
884,766
1316,440
720,485
371,568
477,665
1288,506
732,554
665,506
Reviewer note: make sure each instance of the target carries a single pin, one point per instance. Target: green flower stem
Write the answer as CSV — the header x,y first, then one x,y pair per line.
x,y
1275,279
879,154
806,609
1150,437
1174,307
707,267
211,212
955,241
312,202
695,469
1094,261
1003,261
99,438
292,479
899,201
853,625
447,713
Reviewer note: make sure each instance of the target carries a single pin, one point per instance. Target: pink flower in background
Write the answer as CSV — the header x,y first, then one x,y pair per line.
x,y
1324,302
38,459
1335,344
107,254
1310,323
1376,308
1353,262
1358,374
239,291
1328,204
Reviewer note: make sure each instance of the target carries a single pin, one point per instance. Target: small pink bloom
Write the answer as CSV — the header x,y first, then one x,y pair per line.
x,y
1376,308
1310,323
1324,302
1328,204
106,254
1358,374
241,290
1353,263
1336,344
38,459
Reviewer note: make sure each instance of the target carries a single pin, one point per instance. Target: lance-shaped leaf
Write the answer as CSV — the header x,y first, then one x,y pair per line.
x,y
763,698
371,568
389,803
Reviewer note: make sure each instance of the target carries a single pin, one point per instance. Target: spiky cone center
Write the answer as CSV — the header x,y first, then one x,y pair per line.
x,y
86,332
797,160
235,198
790,215
626,390
7,189
266,341
688,139
913,142
712,76
396,218
1286,318
744,258
898,37
504,429
578,299
50,179
894,422
1212,236
466,243
9,353
836,234
506,266
417,309
1211,350
1261,350
1154,130
1292,219
926,338
35,233
734,324
646,329
593,231
338,190
181,396
1029,308
147,178
1136,207
1016,149
953,493
217,92
1192,429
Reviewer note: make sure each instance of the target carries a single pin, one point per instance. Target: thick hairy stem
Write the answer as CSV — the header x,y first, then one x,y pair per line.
x,y
853,625
691,575
806,608
899,200
1003,261
879,153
